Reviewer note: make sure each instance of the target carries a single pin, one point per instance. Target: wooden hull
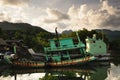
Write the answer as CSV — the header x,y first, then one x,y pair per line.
x,y
53,64
28,64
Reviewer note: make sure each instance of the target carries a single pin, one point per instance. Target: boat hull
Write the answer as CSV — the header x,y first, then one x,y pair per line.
x,y
53,64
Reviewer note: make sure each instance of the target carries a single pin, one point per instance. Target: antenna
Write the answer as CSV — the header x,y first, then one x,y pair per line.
x,y
102,34
78,36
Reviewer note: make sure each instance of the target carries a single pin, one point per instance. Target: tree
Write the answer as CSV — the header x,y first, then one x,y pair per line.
x,y
1,33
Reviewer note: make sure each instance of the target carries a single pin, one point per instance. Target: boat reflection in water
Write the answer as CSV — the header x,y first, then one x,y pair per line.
x,y
87,72
83,73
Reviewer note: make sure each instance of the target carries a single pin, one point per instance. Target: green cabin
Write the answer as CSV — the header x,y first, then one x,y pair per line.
x,y
63,49
63,43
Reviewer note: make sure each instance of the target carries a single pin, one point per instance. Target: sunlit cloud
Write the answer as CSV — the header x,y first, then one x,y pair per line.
x,y
14,2
105,17
13,10
4,17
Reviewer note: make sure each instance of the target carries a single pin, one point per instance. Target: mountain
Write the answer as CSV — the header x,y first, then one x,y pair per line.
x,y
19,26
112,35
67,32
32,36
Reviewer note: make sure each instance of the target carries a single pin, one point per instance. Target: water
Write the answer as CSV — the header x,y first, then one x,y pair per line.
x,y
103,71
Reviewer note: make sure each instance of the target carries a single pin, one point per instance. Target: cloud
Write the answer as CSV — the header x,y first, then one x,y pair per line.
x,y
73,12
113,72
113,19
14,2
105,17
110,9
4,17
55,16
12,14
15,11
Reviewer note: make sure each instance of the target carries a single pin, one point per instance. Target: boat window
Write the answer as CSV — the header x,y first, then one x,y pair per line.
x,y
64,45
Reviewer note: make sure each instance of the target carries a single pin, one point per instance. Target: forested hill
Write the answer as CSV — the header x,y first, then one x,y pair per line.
x,y
33,36
112,35
19,26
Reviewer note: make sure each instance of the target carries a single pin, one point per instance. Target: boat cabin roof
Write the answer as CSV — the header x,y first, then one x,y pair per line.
x,y
65,42
60,39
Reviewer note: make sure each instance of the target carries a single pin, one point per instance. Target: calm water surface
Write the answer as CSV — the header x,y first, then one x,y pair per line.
x,y
103,71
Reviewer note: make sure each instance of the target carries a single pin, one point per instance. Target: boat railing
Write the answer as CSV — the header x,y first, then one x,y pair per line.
x,y
63,47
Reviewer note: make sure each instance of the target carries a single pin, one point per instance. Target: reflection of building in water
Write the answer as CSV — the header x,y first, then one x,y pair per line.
x,y
38,74
113,72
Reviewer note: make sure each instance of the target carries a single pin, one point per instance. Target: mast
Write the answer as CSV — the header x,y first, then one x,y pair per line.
x,y
78,37
58,44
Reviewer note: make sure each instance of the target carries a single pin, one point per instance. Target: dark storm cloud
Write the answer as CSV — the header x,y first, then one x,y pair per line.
x,y
55,16
112,21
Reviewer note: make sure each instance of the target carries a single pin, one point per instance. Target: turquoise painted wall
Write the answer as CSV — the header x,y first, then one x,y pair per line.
x,y
67,42
52,44
95,46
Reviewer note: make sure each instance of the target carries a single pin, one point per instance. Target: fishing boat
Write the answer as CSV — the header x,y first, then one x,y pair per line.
x,y
61,52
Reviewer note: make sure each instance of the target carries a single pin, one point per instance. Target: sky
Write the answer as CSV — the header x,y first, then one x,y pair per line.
x,y
63,14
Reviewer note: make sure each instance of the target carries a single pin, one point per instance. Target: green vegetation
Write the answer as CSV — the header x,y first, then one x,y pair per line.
x,y
64,75
115,44
36,37
49,77
83,34
31,38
